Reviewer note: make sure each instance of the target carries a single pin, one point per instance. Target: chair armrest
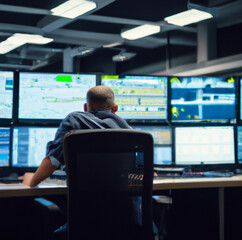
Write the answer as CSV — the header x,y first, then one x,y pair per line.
x,y
162,199
53,216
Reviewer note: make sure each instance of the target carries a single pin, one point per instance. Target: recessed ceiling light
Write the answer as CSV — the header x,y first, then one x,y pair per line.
x,y
140,32
188,17
73,8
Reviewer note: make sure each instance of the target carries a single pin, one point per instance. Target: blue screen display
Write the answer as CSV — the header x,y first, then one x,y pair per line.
x,y
203,99
29,145
6,94
239,136
4,146
51,95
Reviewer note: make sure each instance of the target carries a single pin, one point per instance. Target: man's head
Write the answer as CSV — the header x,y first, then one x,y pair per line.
x,y
100,98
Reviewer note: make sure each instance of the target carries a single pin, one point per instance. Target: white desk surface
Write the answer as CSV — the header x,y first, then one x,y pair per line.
x,y
59,188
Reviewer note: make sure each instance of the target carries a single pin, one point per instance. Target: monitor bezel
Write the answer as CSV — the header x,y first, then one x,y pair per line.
x,y
27,168
206,167
7,120
160,145
146,121
44,121
207,121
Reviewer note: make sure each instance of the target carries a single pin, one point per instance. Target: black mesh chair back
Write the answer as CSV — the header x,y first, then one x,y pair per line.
x,y
110,177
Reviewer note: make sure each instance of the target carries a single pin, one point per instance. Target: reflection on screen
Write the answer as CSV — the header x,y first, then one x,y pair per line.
x,y
239,136
162,143
52,96
139,97
203,98
6,94
29,145
204,145
4,146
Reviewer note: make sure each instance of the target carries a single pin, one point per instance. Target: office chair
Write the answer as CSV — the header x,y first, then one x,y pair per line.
x,y
110,177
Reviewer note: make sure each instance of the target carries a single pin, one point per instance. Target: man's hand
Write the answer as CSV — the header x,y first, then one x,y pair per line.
x,y
27,178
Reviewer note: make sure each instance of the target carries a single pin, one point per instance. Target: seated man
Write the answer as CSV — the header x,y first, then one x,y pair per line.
x,y
99,113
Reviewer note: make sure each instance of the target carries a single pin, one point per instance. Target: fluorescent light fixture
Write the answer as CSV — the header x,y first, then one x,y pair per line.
x,y
112,45
188,17
30,38
18,39
140,32
73,8
123,56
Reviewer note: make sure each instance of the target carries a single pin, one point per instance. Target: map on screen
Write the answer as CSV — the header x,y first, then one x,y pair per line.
x,y
139,97
203,99
29,145
51,95
6,94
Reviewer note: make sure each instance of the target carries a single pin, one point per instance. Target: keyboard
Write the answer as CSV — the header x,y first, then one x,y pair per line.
x,y
12,178
209,174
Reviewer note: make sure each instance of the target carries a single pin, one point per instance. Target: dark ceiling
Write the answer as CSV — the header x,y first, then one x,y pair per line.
x,y
171,49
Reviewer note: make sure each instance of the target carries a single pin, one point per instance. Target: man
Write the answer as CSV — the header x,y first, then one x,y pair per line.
x,y
99,113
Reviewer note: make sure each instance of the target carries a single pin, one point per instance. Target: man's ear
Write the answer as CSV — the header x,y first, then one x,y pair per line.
x,y
115,108
85,107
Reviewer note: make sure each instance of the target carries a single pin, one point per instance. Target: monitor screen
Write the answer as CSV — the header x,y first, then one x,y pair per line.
x,y
204,145
241,99
139,97
239,142
203,99
29,145
6,94
4,146
162,143
52,95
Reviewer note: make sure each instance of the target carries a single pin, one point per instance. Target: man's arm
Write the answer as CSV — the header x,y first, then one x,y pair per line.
x,y
44,171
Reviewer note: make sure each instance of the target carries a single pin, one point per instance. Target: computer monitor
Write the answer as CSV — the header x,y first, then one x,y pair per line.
x,y
29,145
204,145
162,143
6,94
241,99
139,98
52,95
239,143
196,99
4,146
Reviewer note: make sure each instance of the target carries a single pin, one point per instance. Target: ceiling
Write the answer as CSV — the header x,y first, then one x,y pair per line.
x,y
92,40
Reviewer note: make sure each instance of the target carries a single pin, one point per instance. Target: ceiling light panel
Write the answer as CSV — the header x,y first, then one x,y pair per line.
x,y
19,39
73,8
140,32
188,17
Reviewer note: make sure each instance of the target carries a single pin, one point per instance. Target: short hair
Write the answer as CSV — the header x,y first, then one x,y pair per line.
x,y
100,97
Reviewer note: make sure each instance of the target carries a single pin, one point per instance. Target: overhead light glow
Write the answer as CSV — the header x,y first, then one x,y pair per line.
x,y
121,57
73,8
30,38
112,45
140,32
18,39
188,17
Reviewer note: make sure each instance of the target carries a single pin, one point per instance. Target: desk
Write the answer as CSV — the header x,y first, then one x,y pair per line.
x,y
19,190
185,183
